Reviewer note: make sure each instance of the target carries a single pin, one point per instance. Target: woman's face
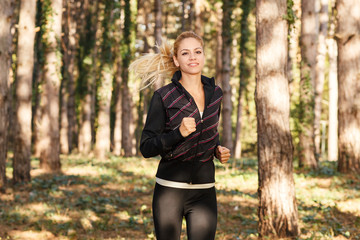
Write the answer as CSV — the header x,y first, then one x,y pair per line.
x,y
190,56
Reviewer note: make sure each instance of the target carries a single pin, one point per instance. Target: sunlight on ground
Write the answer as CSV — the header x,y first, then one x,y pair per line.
x,y
111,200
39,208
351,206
31,235
60,218
82,171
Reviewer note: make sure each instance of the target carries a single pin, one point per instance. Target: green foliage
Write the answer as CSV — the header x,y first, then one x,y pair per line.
x,y
290,16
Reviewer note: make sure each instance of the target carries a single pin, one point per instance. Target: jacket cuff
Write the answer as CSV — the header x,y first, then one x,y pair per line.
x,y
170,139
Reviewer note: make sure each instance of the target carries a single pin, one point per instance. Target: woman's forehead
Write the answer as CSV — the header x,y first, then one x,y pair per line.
x,y
189,44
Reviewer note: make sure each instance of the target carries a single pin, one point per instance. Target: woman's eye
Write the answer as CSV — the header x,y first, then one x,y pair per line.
x,y
198,52
184,53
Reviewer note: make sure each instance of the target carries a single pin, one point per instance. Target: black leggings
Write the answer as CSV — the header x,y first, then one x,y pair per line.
x,y
198,206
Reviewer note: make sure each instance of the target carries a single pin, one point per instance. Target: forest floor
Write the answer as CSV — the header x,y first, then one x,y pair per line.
x,y
111,199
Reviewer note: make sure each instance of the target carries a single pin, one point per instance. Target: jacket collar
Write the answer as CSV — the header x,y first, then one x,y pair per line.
x,y
208,83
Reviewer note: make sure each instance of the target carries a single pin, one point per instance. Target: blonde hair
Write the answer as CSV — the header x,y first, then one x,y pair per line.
x,y
153,66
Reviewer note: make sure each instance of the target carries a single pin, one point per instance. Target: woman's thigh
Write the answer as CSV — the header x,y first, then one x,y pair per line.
x,y
201,215
168,209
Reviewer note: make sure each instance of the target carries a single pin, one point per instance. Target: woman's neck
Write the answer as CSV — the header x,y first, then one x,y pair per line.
x,y
191,82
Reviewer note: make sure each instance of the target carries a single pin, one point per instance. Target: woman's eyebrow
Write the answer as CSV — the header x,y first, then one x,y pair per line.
x,y
185,49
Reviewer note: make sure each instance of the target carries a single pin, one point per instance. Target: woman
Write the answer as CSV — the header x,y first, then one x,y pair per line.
x,y
181,127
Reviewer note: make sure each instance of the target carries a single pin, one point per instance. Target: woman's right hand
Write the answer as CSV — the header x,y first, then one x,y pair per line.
x,y
187,126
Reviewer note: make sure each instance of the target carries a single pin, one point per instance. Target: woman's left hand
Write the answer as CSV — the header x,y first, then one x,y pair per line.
x,y
222,153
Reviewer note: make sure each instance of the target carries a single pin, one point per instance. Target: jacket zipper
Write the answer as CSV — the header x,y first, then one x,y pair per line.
x,y
197,144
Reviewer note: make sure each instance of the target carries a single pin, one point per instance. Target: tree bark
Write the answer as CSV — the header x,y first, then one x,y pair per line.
x,y
102,144
244,73
88,75
225,75
64,121
333,95
24,73
219,44
68,130
158,35
183,19
158,22
143,11
308,43
126,117
199,8
277,204
49,103
104,91
72,73
320,73
6,14
348,39
118,111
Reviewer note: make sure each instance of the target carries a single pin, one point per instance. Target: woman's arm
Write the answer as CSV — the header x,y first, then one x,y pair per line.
x,y
154,140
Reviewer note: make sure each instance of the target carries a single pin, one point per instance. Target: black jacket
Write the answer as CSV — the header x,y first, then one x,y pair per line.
x,y
183,159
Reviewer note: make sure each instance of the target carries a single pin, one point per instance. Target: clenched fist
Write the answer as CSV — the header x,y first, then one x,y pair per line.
x,y
222,153
187,126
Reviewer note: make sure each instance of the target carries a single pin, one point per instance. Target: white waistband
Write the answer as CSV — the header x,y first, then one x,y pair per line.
x,y
173,184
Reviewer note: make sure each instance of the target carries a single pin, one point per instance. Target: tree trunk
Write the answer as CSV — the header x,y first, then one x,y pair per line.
x,y
104,91
219,44
158,35
68,107
244,73
158,22
6,12
199,8
126,94
64,121
102,144
88,75
183,20
308,43
320,72
64,96
11,80
348,39
24,73
333,95
49,102
143,8
72,75
126,117
225,75
277,204
118,111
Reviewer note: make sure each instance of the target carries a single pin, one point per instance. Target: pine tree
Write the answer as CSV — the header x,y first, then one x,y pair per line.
x,y
24,73
277,203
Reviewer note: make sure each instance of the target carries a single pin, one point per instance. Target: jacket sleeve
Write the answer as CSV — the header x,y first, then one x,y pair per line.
x,y
217,138
154,139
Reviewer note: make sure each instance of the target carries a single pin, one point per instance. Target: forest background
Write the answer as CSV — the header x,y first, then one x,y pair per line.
x,y
68,101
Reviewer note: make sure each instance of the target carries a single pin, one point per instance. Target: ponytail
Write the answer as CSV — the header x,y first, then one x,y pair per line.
x,y
154,66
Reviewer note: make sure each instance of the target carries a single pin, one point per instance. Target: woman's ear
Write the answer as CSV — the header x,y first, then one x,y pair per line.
x,y
176,62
